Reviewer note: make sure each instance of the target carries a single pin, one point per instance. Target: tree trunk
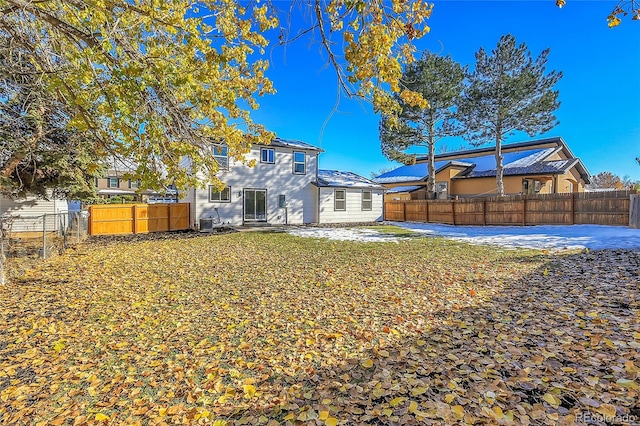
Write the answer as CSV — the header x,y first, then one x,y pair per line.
x,y
11,165
499,168
431,178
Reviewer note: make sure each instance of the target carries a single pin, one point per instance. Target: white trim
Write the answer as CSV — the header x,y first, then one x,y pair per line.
x,y
343,200
363,200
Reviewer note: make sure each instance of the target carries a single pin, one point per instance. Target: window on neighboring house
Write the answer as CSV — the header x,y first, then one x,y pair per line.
x,y
221,155
572,187
442,190
531,186
223,196
298,163
134,184
267,155
366,200
113,182
340,200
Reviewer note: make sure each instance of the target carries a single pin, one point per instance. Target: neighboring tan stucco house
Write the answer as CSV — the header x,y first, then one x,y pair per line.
x,y
544,166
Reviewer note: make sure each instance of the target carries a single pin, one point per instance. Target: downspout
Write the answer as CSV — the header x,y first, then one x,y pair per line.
x,y
195,209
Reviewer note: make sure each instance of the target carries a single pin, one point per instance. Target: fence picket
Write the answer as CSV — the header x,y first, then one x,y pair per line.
x,y
600,208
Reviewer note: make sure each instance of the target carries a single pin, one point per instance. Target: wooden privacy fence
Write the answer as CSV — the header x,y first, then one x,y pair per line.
x,y
115,219
600,208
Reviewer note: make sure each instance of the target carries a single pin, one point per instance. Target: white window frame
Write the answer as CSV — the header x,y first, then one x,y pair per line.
x,y
364,201
219,199
303,163
265,158
439,191
134,184
343,200
222,158
110,180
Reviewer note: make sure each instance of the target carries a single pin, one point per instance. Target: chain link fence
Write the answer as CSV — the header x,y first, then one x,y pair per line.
x,y
39,237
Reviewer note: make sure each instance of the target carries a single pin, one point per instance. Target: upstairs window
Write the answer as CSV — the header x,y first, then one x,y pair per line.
x,y
299,166
366,200
223,196
134,184
113,182
340,200
267,155
221,155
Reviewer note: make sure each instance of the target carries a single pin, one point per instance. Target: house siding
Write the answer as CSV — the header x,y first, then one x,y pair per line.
x,y
353,212
31,210
276,178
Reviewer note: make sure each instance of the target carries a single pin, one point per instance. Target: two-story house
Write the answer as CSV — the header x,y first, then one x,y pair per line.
x,y
285,187
115,184
277,190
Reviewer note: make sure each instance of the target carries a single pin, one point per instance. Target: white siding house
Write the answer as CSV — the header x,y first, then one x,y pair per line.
x,y
345,197
28,212
278,190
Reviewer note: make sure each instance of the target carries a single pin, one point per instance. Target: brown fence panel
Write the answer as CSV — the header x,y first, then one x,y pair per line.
x,y
111,219
415,211
158,217
600,208
114,219
179,216
469,212
142,218
394,211
603,208
507,211
551,209
440,211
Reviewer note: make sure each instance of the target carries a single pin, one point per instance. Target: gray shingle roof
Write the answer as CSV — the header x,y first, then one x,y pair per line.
x,y
398,189
289,143
339,179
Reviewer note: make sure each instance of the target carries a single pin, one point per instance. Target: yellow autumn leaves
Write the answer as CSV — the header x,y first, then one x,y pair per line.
x,y
188,329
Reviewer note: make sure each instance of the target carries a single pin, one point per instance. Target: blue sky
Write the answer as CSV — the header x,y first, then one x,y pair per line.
x,y
600,92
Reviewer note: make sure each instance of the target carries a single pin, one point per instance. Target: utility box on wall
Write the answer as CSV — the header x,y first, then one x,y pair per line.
x,y
282,201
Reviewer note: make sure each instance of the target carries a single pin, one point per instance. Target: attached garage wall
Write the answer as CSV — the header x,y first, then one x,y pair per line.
x,y
353,212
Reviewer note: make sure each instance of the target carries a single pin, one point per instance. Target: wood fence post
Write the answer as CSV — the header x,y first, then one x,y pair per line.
x,y
453,212
404,211
135,219
634,211
524,211
572,219
169,216
484,212
426,210
89,221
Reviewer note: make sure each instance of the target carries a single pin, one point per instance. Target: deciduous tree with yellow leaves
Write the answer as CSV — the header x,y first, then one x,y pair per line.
x,y
157,82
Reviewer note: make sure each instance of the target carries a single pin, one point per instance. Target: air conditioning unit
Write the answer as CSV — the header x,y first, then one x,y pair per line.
x,y
206,224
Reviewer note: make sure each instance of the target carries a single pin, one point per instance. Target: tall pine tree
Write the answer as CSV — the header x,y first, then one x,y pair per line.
x,y
508,91
439,79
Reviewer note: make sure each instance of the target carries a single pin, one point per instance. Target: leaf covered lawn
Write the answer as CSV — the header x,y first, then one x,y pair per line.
x,y
254,328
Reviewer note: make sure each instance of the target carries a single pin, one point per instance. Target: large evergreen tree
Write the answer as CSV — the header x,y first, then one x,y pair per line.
x,y
439,79
507,92
39,153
